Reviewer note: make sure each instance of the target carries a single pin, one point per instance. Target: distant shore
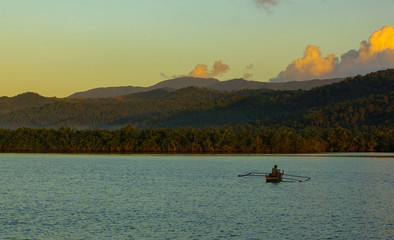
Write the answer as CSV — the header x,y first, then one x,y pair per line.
x,y
192,140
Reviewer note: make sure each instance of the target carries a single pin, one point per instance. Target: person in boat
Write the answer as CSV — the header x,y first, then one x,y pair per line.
x,y
275,171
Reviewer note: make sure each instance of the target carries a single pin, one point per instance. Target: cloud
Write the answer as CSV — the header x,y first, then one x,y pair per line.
x,y
201,70
266,4
247,75
311,65
219,68
378,42
375,54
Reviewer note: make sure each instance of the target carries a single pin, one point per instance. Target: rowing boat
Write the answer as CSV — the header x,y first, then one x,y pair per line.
x,y
269,178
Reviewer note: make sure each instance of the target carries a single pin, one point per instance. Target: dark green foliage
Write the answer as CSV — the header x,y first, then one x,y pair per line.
x,y
374,110
191,140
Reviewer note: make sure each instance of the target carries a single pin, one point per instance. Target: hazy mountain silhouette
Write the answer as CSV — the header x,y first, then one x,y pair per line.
x,y
175,83
211,83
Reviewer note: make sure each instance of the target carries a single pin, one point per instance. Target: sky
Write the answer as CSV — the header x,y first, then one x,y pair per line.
x,y
59,47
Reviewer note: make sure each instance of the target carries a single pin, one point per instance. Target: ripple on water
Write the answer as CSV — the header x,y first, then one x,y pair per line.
x,y
194,197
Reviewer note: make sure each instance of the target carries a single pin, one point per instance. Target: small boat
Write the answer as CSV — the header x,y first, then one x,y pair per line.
x,y
269,178
276,179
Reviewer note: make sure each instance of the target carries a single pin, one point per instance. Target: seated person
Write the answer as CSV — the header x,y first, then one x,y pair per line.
x,y
275,171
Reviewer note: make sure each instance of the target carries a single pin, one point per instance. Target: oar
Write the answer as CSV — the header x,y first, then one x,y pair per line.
x,y
295,180
297,176
304,180
243,175
253,174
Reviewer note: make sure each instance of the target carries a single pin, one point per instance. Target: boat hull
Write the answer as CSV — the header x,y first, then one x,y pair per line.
x,y
273,179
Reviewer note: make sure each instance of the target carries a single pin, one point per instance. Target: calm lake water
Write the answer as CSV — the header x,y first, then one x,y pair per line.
x,y
349,196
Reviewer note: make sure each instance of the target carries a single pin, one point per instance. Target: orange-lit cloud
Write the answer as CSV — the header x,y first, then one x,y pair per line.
x,y
219,68
201,70
311,65
379,41
375,54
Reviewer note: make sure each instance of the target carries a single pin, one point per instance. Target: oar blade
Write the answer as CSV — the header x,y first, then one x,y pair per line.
x,y
244,175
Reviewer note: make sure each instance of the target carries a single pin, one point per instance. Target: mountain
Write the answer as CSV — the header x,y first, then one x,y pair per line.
x,y
176,83
303,85
22,101
211,83
183,82
355,102
237,84
107,92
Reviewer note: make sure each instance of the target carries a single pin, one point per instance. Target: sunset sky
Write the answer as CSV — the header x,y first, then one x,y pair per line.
x,y
58,47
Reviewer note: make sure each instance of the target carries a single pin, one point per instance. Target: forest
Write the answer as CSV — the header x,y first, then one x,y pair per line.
x,y
238,139
354,115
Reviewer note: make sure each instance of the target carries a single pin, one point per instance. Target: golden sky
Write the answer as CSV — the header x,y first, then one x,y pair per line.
x,y
56,48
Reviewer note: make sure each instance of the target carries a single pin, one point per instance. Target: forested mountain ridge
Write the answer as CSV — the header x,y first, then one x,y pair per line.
x,y
22,101
368,97
375,110
278,107
99,113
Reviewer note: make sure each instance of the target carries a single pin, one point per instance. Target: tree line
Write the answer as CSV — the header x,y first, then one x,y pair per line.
x,y
232,139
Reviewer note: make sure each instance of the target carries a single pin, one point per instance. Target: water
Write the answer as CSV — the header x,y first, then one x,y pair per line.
x,y
350,196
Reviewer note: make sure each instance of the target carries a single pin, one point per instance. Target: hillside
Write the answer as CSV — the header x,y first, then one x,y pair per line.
x,y
211,83
361,100
277,108
23,101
